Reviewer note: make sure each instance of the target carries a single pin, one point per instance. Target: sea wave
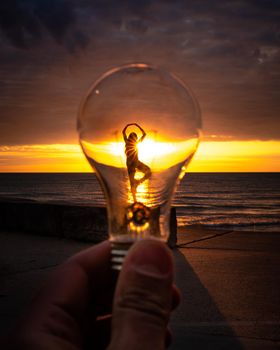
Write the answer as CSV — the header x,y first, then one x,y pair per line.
x,y
238,201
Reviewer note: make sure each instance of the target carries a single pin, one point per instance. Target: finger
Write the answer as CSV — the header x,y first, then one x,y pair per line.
x,y
143,298
62,303
102,279
99,336
176,296
73,283
168,338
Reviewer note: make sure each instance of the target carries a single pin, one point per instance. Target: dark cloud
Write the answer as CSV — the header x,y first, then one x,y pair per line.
x,y
23,22
18,24
56,16
228,51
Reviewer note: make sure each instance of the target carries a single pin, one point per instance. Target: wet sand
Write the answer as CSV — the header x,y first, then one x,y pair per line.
x,y
230,284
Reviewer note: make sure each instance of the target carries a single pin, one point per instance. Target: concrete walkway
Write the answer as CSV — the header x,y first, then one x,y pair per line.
x,y
231,290
230,284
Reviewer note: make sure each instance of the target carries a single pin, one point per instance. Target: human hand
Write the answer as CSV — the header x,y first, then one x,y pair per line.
x,y
143,131
72,310
144,298
138,126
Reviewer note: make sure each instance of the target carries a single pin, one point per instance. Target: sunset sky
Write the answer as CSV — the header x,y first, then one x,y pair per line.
x,y
227,51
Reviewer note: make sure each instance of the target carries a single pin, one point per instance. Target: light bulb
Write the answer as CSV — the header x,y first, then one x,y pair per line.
x,y
139,127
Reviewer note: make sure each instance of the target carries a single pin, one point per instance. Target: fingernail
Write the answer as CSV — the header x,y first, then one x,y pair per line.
x,y
151,257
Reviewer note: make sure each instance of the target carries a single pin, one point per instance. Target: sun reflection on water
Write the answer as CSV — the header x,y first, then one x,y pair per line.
x,y
143,194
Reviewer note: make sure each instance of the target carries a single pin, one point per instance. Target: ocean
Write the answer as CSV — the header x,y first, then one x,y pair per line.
x,y
238,201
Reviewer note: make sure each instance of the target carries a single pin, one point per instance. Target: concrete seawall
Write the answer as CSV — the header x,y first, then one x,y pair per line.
x,y
62,220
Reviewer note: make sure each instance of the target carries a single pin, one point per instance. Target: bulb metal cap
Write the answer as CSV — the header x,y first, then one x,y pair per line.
x,y
119,251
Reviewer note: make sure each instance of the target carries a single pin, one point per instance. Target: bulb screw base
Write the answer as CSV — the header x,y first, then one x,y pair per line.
x,y
119,251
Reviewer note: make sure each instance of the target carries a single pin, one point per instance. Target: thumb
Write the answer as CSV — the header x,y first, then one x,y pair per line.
x,y
143,298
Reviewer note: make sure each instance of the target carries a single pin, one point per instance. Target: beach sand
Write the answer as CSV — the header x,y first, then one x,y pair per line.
x,y
230,284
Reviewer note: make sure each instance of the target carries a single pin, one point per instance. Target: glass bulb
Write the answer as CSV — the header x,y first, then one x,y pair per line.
x,y
139,127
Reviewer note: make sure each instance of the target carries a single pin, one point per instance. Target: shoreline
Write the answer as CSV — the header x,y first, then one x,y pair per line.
x,y
81,221
212,201
222,228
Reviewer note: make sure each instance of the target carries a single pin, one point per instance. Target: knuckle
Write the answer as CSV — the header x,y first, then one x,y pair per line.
x,y
142,302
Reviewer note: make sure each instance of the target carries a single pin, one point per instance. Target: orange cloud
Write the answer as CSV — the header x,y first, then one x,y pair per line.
x,y
43,158
212,156
237,156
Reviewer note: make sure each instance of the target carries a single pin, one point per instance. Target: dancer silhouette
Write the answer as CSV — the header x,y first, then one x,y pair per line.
x,y
132,161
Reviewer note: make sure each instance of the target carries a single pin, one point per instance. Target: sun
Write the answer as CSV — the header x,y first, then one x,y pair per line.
x,y
149,150
158,155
